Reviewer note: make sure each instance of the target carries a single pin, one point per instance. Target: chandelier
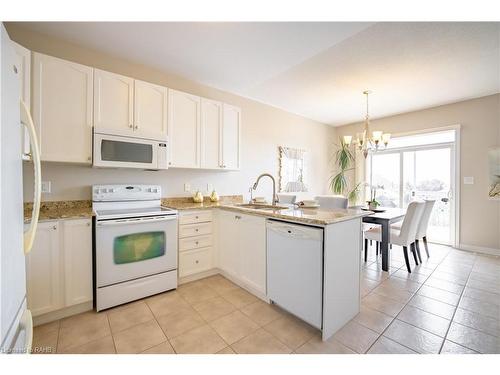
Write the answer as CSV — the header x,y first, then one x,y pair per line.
x,y
364,141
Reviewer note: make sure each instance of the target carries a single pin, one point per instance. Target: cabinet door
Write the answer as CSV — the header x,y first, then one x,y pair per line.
x,y
150,111
24,71
231,137
228,243
184,129
252,251
211,125
43,270
77,249
113,103
62,109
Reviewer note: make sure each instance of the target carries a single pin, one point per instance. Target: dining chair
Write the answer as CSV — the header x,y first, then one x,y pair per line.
x,y
422,227
405,236
286,198
332,201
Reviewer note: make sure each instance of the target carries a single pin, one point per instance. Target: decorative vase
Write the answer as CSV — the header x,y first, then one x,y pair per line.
x,y
198,197
214,197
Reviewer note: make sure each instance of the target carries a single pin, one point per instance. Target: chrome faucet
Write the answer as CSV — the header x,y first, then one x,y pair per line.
x,y
275,198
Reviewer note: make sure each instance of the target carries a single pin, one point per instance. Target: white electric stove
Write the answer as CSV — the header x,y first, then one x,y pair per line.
x,y
135,244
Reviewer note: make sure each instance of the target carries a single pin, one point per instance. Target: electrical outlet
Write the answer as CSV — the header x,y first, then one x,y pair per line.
x,y
46,186
210,187
187,187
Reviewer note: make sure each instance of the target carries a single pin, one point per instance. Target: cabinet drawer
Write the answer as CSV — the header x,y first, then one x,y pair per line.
x,y
194,242
194,261
190,230
195,217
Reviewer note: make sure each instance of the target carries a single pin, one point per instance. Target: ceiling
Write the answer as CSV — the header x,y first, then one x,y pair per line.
x,y
317,70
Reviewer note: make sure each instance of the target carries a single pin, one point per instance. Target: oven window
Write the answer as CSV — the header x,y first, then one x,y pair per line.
x,y
126,151
138,246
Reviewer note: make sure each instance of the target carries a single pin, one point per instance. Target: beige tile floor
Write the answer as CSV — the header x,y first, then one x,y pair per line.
x,y
449,304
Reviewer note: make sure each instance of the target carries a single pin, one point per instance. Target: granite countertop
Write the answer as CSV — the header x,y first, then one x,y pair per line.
x,y
313,216
186,203
60,210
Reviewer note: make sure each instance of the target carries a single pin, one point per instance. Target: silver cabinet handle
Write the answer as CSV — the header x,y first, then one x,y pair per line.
x,y
196,230
196,242
54,227
131,126
136,127
197,261
237,217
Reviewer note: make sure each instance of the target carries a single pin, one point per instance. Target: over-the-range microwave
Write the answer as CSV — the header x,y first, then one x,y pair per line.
x,y
128,152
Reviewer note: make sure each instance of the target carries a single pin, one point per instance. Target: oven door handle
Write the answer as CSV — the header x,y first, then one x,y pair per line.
x,y
142,220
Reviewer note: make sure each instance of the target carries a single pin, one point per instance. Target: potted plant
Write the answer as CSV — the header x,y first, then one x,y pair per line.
x,y
344,159
372,203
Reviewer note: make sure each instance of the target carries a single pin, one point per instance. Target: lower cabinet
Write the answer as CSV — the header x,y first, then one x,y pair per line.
x,y
195,242
59,266
242,249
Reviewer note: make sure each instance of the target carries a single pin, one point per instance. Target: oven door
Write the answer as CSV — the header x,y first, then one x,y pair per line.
x,y
124,152
128,249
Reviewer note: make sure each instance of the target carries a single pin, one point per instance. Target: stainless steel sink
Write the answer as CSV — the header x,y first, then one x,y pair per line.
x,y
256,206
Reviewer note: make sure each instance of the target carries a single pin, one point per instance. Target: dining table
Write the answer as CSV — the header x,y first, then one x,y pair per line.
x,y
385,217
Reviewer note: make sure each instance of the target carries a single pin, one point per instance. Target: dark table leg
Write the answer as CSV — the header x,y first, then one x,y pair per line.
x,y
384,246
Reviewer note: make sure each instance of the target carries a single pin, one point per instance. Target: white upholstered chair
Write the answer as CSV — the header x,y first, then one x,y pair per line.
x,y
405,236
286,198
332,201
422,227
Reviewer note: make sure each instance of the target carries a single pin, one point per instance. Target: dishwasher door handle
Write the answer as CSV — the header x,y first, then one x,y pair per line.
x,y
296,231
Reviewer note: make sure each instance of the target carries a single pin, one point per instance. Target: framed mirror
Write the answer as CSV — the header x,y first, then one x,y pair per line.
x,y
292,173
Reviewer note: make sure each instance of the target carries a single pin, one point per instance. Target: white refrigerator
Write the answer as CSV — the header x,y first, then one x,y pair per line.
x,y
16,326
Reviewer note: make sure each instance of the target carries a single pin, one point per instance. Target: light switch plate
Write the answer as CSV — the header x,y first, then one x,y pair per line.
x,y
46,186
187,187
210,187
468,180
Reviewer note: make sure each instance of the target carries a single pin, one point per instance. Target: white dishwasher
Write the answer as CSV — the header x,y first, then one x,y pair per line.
x,y
295,269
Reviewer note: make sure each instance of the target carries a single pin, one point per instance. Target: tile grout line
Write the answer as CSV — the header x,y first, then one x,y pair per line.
x,y
456,308
406,304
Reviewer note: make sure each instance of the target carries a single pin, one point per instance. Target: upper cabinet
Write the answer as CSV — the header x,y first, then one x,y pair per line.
x,y
113,103
211,129
184,129
231,124
62,109
68,99
24,70
150,110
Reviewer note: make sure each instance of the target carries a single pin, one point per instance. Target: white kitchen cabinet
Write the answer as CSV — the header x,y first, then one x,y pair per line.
x,y
184,129
211,134
23,66
231,127
252,240
242,249
77,269
113,103
43,270
150,110
62,109
59,267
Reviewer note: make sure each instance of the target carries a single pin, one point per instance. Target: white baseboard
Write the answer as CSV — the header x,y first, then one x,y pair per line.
x,y
198,276
480,249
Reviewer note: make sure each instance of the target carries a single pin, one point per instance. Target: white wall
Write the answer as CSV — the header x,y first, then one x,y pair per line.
x,y
264,128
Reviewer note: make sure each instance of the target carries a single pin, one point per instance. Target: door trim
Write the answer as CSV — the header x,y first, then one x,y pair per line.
x,y
455,172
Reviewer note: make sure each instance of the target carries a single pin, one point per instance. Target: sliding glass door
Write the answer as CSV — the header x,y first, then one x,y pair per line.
x,y
403,174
